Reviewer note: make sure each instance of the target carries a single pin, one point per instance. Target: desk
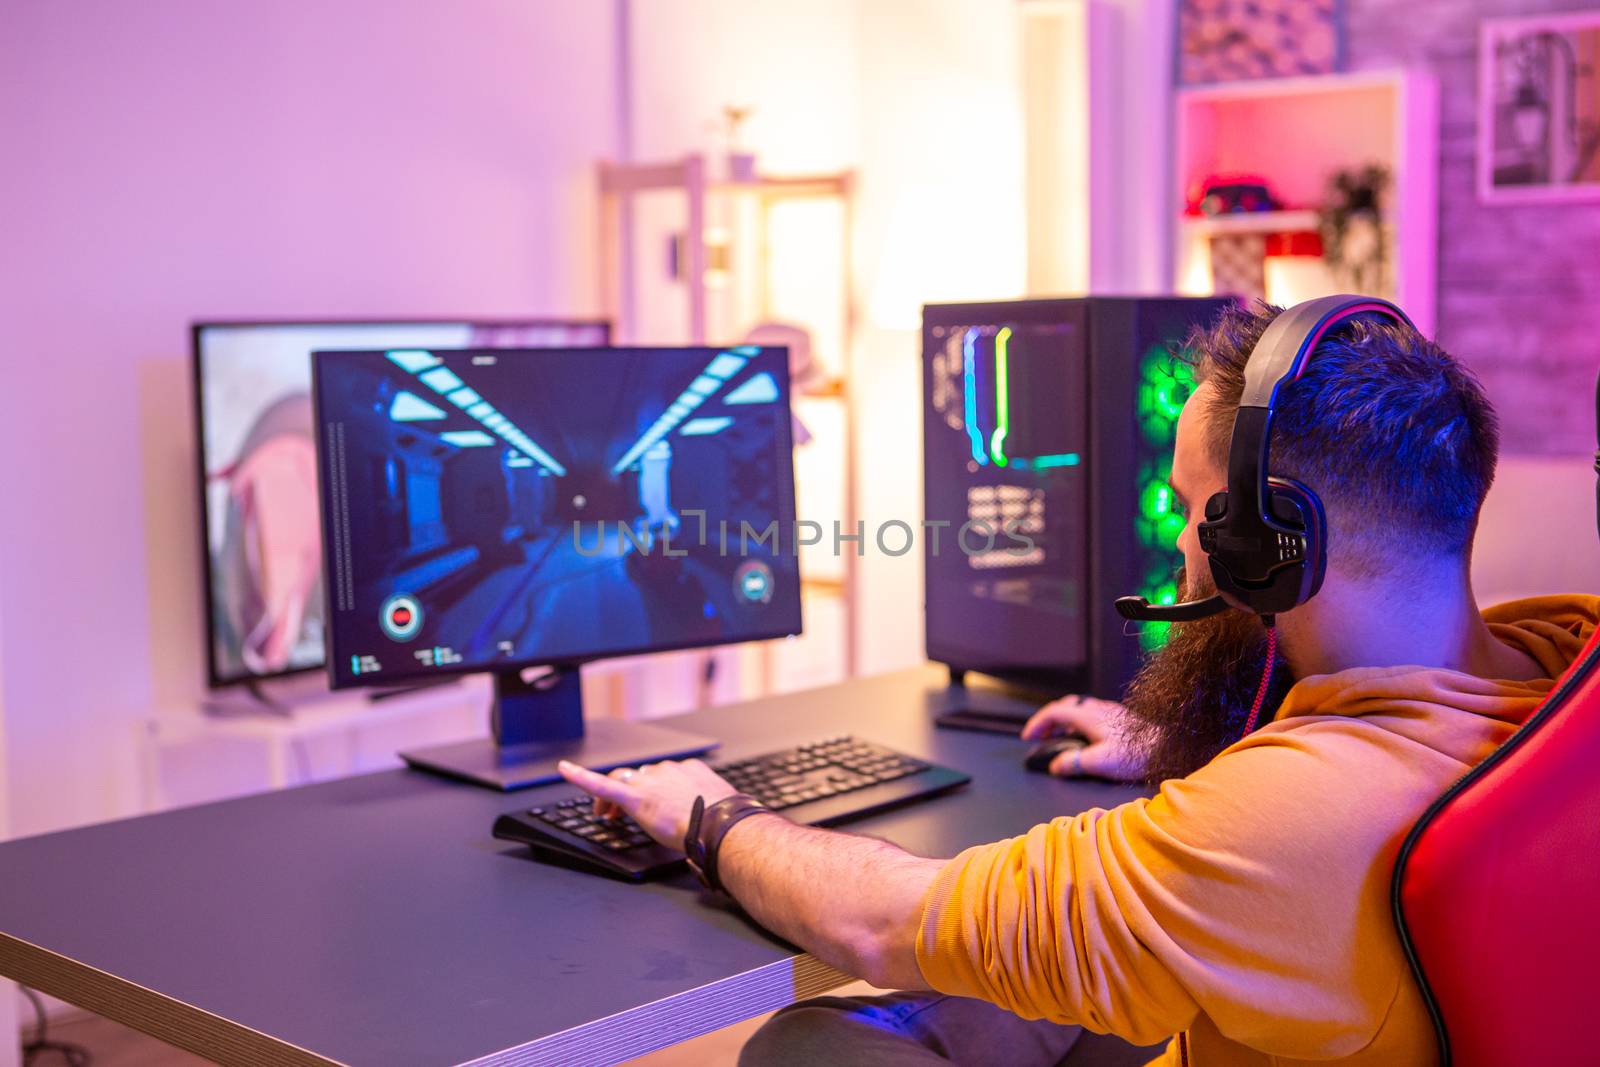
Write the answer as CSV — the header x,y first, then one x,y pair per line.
x,y
373,920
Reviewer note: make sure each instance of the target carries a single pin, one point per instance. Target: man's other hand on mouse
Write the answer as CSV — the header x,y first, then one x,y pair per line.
x,y
1107,755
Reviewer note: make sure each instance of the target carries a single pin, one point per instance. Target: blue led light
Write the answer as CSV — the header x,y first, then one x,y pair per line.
x,y
441,379
705,427
467,438
409,407
725,366
414,360
758,389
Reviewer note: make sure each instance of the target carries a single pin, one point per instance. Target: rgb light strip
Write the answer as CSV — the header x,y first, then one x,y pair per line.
x,y
1065,459
996,450
969,365
1002,397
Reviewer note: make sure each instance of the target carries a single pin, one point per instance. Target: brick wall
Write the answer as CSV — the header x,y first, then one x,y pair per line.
x,y
1519,284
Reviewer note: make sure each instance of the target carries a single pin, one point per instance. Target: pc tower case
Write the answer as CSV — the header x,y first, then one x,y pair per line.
x,y
1048,428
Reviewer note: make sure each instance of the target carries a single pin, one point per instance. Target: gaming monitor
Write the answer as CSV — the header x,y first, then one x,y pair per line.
x,y
261,546
491,510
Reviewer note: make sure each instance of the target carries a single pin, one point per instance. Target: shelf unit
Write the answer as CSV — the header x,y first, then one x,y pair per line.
x,y
1295,132
738,208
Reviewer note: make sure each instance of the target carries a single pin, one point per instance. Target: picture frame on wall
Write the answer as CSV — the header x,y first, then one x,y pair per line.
x,y
1539,108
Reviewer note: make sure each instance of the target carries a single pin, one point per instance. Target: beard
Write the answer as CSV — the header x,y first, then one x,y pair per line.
x,y
1192,697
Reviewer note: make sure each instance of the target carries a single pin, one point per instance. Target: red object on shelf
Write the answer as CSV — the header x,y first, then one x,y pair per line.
x,y
1297,243
1231,194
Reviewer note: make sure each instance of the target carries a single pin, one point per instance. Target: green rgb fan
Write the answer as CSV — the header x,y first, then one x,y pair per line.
x,y
1165,382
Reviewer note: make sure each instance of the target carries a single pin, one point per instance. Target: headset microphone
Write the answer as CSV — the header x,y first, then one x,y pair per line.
x,y
1138,609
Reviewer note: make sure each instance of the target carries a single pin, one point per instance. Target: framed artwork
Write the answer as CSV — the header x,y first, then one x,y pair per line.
x,y
1539,108
1230,40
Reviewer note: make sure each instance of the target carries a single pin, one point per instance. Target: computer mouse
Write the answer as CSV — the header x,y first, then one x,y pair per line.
x,y
1040,756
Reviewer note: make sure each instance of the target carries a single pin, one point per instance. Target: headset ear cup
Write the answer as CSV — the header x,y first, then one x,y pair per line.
x,y
1294,504
1297,508
1215,520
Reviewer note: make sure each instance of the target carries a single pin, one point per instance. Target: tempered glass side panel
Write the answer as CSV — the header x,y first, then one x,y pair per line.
x,y
1005,453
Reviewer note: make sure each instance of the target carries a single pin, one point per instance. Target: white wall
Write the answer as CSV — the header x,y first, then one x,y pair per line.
x,y
1536,535
10,1041
941,218
794,65
184,158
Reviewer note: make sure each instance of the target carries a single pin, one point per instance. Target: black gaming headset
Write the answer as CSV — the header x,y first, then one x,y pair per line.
x,y
1266,537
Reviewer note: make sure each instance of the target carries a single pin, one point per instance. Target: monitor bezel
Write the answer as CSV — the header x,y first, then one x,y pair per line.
x,y
409,677
215,680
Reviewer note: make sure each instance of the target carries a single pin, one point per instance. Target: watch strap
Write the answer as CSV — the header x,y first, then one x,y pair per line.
x,y
708,825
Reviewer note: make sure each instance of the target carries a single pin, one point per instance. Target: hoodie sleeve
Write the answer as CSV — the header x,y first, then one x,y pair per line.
x,y
1239,892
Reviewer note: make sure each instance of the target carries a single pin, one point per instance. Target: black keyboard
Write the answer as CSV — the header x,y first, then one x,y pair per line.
x,y
820,783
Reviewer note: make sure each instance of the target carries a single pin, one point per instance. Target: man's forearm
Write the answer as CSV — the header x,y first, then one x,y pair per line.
x,y
853,902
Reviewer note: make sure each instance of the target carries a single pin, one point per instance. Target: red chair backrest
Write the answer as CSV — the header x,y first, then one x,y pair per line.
x,y
1497,891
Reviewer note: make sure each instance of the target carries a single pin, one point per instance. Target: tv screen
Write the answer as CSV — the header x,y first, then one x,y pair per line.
x,y
263,595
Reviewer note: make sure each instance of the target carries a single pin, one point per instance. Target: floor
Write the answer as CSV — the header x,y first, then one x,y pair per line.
x,y
114,1045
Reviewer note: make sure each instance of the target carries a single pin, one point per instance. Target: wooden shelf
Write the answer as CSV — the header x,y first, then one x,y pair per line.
x,y
706,205
1295,133
1306,85
1251,222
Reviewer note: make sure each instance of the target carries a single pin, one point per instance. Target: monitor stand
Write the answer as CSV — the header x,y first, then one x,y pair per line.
x,y
539,722
980,710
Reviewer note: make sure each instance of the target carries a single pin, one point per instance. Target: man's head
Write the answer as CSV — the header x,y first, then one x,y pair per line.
x,y
1393,435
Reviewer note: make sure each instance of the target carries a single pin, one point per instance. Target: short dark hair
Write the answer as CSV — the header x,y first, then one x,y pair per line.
x,y
1393,432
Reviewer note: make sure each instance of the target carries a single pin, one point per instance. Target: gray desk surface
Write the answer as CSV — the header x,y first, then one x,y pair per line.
x,y
373,920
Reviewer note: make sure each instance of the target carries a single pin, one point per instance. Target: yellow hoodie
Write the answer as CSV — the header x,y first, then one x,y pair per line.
x,y
1247,904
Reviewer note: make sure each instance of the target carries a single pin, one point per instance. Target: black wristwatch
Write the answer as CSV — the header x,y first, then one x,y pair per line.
x,y
708,826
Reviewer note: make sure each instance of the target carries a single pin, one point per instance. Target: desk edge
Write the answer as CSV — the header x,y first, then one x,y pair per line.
x,y
673,1019
165,1018
609,1040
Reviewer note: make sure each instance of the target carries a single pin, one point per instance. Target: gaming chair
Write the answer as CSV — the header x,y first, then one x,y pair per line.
x,y
1496,891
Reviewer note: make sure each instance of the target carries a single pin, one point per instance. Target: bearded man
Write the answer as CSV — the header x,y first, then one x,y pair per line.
x,y
1242,911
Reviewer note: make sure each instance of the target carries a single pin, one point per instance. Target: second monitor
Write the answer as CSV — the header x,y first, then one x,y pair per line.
x,y
486,511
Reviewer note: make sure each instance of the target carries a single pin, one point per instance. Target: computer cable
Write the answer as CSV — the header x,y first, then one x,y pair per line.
x,y
73,1055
